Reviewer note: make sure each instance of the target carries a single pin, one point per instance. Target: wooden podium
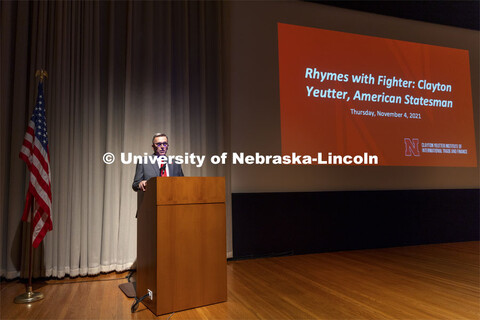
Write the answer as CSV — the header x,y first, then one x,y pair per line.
x,y
181,243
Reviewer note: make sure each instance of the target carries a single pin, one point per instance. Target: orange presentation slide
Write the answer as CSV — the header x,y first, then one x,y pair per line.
x,y
408,103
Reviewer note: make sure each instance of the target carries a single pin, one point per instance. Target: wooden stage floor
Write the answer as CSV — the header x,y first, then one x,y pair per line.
x,y
438,281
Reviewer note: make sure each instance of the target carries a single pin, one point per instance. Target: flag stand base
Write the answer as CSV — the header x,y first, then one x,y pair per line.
x,y
29,296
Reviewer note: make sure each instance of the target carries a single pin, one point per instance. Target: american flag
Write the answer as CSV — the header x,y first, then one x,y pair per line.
x,y
35,154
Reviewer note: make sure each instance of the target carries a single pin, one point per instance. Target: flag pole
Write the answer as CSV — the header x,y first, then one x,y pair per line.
x,y
30,296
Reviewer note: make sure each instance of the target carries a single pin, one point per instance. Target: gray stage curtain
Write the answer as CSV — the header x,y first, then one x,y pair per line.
x,y
118,72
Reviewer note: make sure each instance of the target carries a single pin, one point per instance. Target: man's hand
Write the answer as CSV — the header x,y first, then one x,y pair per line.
x,y
143,185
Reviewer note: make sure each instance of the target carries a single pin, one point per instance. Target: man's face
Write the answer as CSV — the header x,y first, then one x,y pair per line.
x,y
160,146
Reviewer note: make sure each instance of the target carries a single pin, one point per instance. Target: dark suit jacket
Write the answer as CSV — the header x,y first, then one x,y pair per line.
x,y
150,170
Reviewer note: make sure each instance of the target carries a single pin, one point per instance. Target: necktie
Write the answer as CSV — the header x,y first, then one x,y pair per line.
x,y
163,170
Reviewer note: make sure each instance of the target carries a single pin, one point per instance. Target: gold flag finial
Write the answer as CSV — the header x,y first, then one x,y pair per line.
x,y
41,74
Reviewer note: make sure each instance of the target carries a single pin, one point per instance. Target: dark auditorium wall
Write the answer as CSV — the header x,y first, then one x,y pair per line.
x,y
271,224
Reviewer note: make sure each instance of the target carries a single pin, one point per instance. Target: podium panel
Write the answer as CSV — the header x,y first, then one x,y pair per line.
x,y
181,249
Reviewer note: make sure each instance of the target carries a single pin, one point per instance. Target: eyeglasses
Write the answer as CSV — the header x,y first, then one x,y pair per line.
x,y
160,144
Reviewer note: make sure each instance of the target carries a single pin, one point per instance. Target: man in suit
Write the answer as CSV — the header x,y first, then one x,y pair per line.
x,y
146,171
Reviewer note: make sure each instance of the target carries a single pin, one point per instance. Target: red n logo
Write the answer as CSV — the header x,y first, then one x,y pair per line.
x,y
411,147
